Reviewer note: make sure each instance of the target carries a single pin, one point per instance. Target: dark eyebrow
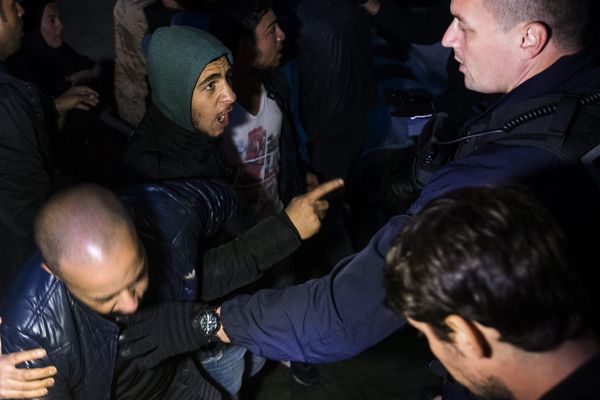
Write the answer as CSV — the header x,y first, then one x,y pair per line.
x,y
138,278
209,78
275,22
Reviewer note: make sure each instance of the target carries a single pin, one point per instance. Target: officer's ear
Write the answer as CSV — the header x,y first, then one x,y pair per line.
x,y
534,38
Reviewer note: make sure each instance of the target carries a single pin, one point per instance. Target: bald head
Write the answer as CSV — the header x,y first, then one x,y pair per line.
x,y
80,223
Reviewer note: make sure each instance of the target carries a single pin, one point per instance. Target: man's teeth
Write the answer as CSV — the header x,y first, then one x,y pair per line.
x,y
221,117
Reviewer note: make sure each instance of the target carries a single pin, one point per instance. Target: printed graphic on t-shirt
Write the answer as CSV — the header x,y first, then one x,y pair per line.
x,y
252,150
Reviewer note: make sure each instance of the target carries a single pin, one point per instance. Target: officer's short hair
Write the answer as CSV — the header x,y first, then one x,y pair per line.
x,y
566,20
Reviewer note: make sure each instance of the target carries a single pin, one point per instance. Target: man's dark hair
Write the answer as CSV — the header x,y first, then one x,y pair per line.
x,y
566,19
70,217
491,255
236,20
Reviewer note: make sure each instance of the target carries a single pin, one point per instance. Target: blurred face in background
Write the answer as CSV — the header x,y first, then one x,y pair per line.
x,y
51,26
268,42
11,28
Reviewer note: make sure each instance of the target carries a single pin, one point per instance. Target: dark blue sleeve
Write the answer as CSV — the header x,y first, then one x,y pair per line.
x,y
342,314
322,320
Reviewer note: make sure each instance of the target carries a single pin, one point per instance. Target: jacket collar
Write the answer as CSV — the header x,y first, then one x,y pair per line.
x,y
578,73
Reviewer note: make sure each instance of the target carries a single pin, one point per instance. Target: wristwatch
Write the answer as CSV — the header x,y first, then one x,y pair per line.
x,y
207,323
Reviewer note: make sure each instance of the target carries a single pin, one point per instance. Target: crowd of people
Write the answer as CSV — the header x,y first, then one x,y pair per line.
x,y
136,273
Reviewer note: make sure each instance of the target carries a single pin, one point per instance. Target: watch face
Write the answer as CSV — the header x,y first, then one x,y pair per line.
x,y
209,323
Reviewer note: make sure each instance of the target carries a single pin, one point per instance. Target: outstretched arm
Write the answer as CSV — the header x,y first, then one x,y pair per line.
x,y
241,261
324,320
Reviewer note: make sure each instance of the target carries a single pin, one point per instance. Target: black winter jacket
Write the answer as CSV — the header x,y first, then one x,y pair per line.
x,y
182,225
162,150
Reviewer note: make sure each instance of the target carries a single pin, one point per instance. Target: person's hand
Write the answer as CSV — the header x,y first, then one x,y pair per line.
x,y
17,383
156,334
312,181
307,211
79,97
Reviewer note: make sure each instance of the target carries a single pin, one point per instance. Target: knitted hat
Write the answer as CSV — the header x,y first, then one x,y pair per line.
x,y
177,55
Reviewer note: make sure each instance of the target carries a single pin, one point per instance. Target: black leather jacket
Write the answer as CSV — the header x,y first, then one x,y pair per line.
x,y
174,219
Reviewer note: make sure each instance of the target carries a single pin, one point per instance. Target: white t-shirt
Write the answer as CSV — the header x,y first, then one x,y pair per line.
x,y
251,144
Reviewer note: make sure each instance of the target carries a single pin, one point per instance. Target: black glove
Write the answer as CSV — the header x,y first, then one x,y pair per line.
x,y
155,334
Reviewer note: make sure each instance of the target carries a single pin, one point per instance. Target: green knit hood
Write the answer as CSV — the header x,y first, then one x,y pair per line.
x,y
177,55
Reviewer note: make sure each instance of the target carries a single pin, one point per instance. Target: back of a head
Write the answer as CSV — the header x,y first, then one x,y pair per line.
x,y
235,20
491,255
76,217
177,55
567,20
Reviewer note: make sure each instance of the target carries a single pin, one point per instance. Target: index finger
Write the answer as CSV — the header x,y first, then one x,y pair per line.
x,y
27,355
325,188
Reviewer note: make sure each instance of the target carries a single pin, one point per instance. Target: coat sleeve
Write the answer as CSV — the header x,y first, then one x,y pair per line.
x,y
25,182
322,320
243,260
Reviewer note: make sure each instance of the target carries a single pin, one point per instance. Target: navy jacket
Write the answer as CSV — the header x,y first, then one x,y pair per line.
x,y
79,342
343,313
174,219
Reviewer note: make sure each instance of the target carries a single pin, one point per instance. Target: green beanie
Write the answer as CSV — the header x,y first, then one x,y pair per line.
x,y
177,55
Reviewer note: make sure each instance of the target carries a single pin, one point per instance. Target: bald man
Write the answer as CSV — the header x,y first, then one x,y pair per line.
x,y
92,268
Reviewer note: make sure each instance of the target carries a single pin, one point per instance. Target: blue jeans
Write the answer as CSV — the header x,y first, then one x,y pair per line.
x,y
226,365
